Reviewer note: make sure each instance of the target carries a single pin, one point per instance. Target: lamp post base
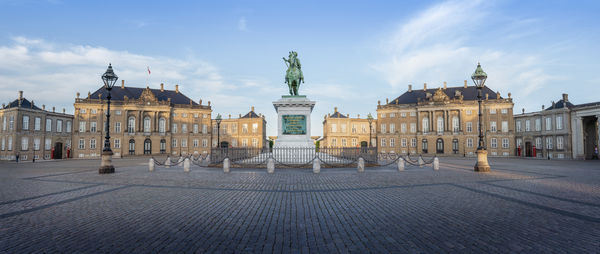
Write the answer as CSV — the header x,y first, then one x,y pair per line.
x,y
482,164
106,166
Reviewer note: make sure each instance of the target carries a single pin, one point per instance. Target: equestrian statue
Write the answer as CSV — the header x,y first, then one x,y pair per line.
x,y
293,75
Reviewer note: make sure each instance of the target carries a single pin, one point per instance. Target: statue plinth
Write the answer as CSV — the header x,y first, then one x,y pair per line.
x,y
293,121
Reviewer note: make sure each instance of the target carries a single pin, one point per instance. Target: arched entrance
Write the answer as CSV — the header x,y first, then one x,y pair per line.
x,y
147,146
224,144
364,144
439,147
528,149
58,150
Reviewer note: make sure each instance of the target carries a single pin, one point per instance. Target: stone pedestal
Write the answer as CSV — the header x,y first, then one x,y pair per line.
x,y
482,161
106,166
293,121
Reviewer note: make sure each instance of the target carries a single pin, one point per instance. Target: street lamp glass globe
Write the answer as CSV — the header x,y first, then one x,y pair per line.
x,y
479,76
109,78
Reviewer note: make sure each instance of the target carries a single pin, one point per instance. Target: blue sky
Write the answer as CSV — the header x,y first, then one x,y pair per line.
x,y
353,53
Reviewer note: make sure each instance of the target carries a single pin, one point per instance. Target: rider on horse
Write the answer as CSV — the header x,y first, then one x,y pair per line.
x,y
293,75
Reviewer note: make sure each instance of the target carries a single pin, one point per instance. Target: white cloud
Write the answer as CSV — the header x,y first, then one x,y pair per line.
x,y
242,24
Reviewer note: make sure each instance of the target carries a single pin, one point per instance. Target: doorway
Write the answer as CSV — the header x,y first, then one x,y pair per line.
x,y
590,136
58,150
528,150
147,146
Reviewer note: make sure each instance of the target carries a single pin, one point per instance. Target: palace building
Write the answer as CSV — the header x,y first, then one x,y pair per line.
x,y
34,133
143,121
249,130
444,121
341,130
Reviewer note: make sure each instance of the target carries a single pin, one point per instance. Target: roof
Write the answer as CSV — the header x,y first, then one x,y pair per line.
x,y
25,103
561,104
251,114
337,115
587,104
118,93
469,93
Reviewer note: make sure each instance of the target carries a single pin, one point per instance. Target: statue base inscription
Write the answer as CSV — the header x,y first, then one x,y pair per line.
x,y
293,121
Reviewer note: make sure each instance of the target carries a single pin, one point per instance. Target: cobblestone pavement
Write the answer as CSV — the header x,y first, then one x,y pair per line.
x,y
521,206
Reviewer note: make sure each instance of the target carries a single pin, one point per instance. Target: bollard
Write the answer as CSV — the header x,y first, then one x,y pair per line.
x,y
400,164
151,164
361,165
421,162
226,165
180,160
168,162
316,166
436,163
207,160
270,165
186,165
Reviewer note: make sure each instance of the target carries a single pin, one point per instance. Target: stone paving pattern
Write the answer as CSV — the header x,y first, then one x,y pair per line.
x,y
522,206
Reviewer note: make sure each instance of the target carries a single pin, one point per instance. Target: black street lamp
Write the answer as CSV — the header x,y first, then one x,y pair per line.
x,y
218,119
109,78
482,165
370,119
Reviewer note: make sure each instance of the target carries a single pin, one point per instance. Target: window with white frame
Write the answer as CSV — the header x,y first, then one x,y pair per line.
x,y
403,114
469,126
548,142
48,124
504,126
205,128
412,113
383,127
59,125
93,126
37,124
559,124
195,128
518,124
244,142
48,144
81,143
353,129
147,124
519,142
234,128
383,142
4,123
205,142
538,143
363,128
93,111
245,128
403,142
174,129
494,143
92,143
25,123
548,123
382,115
334,142
392,142
413,142
117,143
184,143
440,124
117,127
403,128
9,146
354,142
344,142
559,142
196,142
505,143
392,115
68,126
425,125
504,111
538,124
255,127
3,143
36,144
470,142
131,125
413,127
185,130
118,112
82,126
174,142
493,126
255,142
492,111
11,123
527,125
469,112
455,124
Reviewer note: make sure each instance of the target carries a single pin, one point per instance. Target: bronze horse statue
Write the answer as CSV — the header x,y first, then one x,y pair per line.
x,y
293,75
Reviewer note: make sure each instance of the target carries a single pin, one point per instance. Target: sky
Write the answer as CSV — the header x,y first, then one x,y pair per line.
x,y
353,53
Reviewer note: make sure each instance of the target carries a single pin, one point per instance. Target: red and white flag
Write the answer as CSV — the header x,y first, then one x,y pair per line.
x,y
148,69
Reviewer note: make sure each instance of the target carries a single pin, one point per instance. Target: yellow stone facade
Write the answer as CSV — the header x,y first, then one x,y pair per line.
x,y
444,121
344,131
143,121
249,130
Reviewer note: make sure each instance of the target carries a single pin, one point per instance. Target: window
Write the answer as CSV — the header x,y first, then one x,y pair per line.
x,y
494,143
196,142
195,128
559,125
344,142
245,128
131,146
353,129
394,114
92,143
439,147
403,142
548,142
527,125
10,143
455,125
412,113
393,127
131,125
383,142
204,116
174,129
59,125
470,142
492,111
147,124
234,128
538,124
424,145
205,142
93,126
413,142
163,146
174,143
3,143
548,123
538,143
455,146
504,126
519,142
147,146
185,130
184,143
82,126
518,124
403,114
469,112
493,126
413,128
118,112
559,142
205,128
403,128
244,142
504,111
255,142
505,143
24,143
36,144
117,127
469,126
117,143
48,125
383,128
382,115
93,111
195,115
11,123
162,125
392,142
25,123
81,143
425,125
184,115
354,142
440,124
37,124
255,128
48,144
4,123
343,128
68,126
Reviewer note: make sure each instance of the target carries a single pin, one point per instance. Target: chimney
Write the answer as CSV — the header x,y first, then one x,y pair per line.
x,y
553,104
177,88
64,110
53,109
20,95
122,84
334,109
378,102
208,103
89,95
200,101
32,104
229,116
498,95
43,107
162,88
542,107
523,110
565,97
239,115
77,95
445,85
387,101
252,108
409,88
509,94
465,83
487,96
425,87
358,116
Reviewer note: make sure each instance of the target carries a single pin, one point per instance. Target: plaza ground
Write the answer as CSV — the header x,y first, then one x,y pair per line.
x,y
521,206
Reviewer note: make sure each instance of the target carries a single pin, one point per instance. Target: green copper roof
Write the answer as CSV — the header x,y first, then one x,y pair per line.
x,y
479,73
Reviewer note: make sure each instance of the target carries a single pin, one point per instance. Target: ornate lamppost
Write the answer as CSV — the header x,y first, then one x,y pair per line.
x,y
482,165
370,119
109,78
219,119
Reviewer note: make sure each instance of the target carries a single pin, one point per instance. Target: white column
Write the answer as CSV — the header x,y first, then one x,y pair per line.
x,y
577,137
